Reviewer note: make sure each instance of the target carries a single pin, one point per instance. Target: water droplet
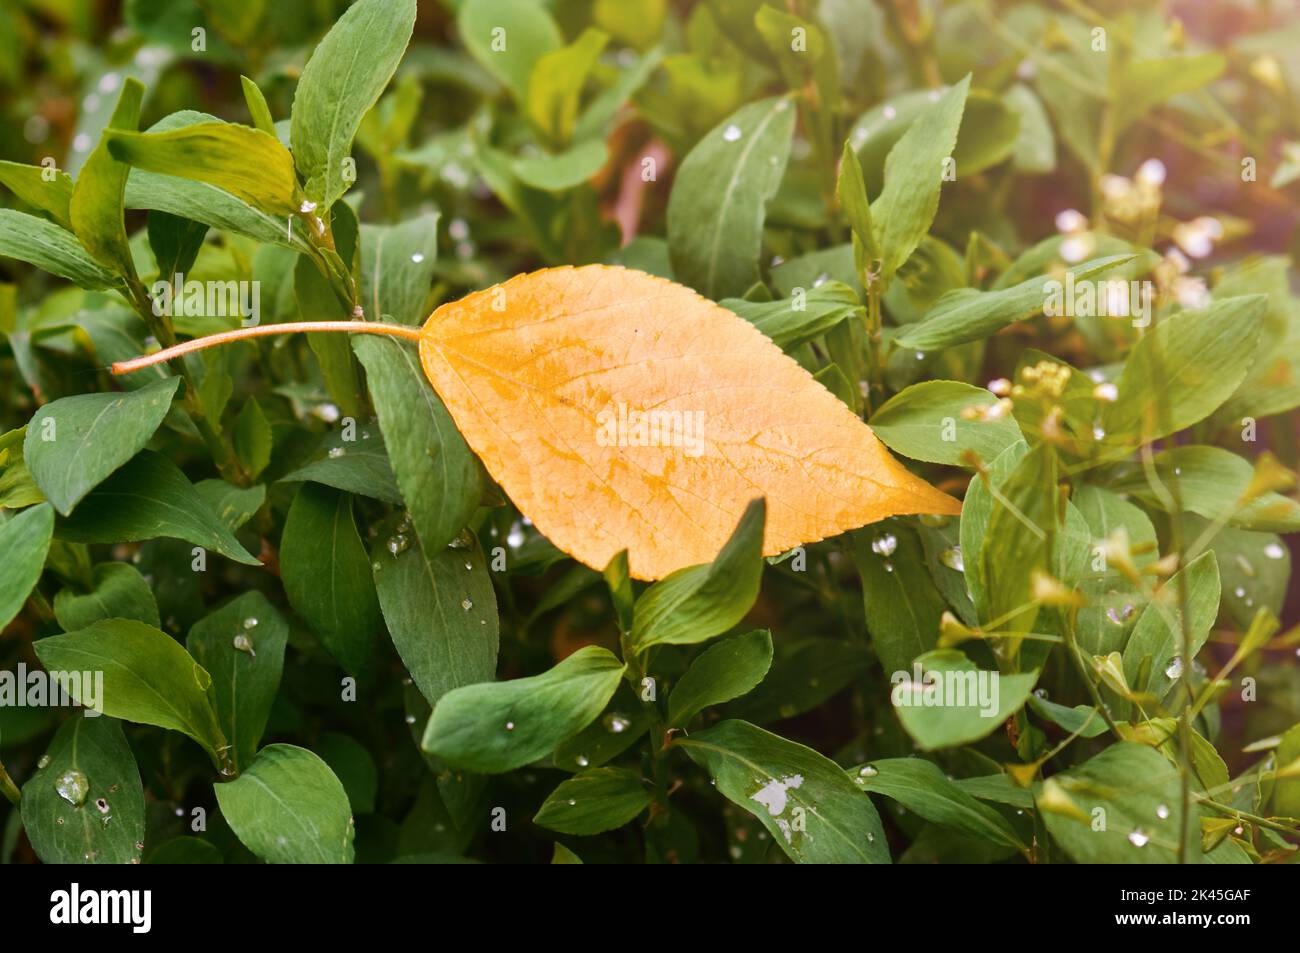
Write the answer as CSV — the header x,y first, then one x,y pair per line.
x,y
462,540
884,544
1138,839
732,133
1274,551
868,771
1175,667
1240,592
871,838
73,787
952,559
889,567
417,258
510,726
1162,812
398,543
616,723
1098,433
469,567
139,845
250,623
573,802
467,604
410,719
1040,693
44,762
244,644
889,112
582,761
336,452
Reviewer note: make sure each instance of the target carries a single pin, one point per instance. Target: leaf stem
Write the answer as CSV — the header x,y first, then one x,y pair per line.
x,y
242,334
10,789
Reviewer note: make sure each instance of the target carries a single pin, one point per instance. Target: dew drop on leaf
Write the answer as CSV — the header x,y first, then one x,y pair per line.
x,y
884,544
1138,839
336,452
467,604
732,133
73,787
1274,551
1175,667
616,723
1162,812
952,559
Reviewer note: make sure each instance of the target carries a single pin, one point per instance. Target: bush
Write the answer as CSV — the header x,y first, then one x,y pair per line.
x,y
866,461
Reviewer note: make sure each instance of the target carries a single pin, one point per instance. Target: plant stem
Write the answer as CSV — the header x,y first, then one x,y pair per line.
x,y
9,789
159,327
264,330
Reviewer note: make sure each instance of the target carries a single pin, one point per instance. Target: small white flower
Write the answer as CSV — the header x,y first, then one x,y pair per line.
x,y
1070,220
1151,173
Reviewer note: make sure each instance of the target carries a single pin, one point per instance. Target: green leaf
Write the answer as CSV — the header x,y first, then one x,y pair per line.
x,y
327,577
85,803
1103,625
1119,822
794,321
508,37
246,162
976,509
344,77
902,604
207,203
803,676
233,505
956,703
720,195
1087,721
1144,84
603,110
438,475
352,460
594,801
50,248
556,82
148,678
987,134
1035,149
1254,570
923,788
927,422
252,438
970,315
258,110
1022,525
562,171
913,177
811,808
397,267
1158,637
441,611
73,444
1286,790
147,498
562,855
289,808
119,592
97,196
851,190
696,603
175,243
242,647
1195,359
47,189
720,673
24,541
499,726
353,766
1213,483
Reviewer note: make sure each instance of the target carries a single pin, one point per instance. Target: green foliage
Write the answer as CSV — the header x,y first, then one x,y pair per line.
x,y
319,619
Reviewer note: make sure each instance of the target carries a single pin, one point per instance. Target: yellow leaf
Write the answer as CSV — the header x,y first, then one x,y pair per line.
x,y
623,411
